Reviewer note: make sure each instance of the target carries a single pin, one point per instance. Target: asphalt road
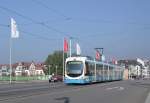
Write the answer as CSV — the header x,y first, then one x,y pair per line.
x,y
134,91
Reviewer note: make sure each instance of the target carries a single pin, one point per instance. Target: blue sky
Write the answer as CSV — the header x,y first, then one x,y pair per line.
x,y
121,27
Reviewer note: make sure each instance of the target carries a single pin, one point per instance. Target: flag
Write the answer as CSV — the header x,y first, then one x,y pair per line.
x,y
103,58
65,45
114,61
97,55
140,61
14,29
78,49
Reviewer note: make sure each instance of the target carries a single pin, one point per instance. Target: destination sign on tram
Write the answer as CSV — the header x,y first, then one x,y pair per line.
x,y
74,62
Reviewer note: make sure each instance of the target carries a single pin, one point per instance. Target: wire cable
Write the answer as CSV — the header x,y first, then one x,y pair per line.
x,y
51,9
34,21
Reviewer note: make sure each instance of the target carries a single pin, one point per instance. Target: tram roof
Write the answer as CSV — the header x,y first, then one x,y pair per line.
x,y
90,59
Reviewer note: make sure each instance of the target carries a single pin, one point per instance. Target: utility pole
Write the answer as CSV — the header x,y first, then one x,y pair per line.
x,y
56,69
49,69
70,40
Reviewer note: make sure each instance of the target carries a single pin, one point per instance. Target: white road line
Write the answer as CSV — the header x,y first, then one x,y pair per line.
x,y
117,88
121,88
62,92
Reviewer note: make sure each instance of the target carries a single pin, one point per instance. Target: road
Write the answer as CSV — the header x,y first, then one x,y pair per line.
x,y
134,91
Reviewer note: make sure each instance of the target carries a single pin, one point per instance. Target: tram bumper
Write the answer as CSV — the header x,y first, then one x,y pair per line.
x,y
75,81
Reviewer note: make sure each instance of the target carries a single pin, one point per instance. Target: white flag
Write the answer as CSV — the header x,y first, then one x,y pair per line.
x,y
103,58
140,61
14,29
78,50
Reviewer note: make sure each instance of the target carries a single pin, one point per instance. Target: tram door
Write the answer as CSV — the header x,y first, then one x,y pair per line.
x,y
89,71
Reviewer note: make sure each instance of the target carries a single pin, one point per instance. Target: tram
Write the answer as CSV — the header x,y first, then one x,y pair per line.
x,y
83,70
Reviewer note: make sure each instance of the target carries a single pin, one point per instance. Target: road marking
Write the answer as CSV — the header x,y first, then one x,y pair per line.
x,y
121,88
74,89
111,88
117,88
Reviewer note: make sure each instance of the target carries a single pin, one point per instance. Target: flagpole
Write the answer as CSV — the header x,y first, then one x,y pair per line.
x,y
63,60
14,34
10,59
70,45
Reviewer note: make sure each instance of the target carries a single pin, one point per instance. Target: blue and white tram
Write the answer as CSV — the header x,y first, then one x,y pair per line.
x,y
81,70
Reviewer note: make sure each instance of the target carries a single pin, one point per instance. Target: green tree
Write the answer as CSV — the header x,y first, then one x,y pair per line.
x,y
54,61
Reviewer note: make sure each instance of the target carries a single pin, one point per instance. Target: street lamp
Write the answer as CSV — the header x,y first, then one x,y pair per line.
x,y
49,68
56,69
70,40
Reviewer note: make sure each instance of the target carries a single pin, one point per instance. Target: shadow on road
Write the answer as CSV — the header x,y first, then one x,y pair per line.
x,y
65,99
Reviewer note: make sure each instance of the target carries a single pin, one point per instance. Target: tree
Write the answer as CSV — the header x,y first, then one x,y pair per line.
x,y
54,61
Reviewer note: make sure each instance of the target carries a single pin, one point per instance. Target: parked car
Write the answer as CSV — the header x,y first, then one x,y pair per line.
x,y
56,78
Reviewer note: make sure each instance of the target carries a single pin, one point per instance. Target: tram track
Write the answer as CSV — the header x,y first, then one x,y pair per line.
x,y
13,93
45,89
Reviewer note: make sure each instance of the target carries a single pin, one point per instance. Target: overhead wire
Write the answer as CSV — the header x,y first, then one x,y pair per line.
x,y
51,9
38,36
32,34
34,21
4,25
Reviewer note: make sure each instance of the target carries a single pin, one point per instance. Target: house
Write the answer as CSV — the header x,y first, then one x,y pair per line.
x,y
39,69
134,71
27,69
23,69
17,69
4,70
32,69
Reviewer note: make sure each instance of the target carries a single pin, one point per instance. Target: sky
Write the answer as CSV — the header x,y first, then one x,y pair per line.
x,y
121,27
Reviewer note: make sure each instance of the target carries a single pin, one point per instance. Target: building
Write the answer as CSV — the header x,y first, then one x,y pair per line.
x,y
4,70
39,70
134,71
28,69
22,69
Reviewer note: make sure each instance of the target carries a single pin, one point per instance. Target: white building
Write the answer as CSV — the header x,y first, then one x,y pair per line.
x,y
134,71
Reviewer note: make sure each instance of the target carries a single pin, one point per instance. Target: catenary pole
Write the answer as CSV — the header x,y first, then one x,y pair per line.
x,y
10,59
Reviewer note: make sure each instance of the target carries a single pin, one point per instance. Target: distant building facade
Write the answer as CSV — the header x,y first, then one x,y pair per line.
x,y
23,69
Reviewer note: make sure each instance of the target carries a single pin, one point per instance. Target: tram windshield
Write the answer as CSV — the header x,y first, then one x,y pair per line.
x,y
74,68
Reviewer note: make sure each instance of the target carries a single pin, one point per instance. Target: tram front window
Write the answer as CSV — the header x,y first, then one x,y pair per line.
x,y
74,68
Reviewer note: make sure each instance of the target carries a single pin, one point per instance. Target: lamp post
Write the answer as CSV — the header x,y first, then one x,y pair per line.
x,y
56,69
49,69
70,40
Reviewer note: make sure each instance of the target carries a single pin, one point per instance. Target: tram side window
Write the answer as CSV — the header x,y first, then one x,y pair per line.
x,y
91,68
87,71
105,70
111,71
99,69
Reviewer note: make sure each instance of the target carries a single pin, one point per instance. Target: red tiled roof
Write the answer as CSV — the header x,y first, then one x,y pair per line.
x,y
4,65
26,64
39,66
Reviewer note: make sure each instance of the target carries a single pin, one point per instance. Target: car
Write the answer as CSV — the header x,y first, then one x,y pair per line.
x,y
56,78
